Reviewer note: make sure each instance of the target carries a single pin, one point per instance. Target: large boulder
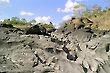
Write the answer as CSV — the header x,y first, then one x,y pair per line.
x,y
82,22
39,30
6,25
34,30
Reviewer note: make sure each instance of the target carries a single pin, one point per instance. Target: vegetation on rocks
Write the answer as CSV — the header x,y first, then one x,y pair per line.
x,y
23,23
96,17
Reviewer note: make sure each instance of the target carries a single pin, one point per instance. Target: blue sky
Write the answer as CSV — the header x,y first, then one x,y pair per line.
x,y
43,10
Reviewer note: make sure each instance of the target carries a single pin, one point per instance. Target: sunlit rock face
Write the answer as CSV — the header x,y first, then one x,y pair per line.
x,y
83,50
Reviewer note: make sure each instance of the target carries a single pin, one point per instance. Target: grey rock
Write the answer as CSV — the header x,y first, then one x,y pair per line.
x,y
63,52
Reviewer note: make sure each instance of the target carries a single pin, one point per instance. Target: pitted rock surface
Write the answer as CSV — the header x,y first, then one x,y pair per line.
x,y
70,51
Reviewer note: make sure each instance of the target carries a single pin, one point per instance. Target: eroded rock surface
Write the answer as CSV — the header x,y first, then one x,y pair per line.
x,y
63,51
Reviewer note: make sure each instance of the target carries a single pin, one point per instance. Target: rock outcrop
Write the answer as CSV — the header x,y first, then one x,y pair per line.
x,y
64,51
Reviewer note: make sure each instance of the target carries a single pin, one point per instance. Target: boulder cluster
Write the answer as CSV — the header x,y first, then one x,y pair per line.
x,y
72,49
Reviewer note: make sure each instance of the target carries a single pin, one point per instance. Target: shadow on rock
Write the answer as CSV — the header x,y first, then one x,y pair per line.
x,y
37,30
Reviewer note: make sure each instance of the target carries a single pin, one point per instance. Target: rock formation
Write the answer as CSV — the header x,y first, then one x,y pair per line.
x,y
83,50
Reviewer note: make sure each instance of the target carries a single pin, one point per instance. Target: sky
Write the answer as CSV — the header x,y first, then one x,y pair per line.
x,y
44,11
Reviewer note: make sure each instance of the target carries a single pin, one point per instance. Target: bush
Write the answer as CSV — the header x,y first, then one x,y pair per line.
x,y
45,25
15,21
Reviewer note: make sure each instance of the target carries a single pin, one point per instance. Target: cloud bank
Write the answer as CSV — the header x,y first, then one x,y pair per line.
x,y
66,17
43,19
25,13
69,6
4,1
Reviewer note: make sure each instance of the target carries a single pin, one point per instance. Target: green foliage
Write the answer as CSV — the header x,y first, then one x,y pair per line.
x,y
99,16
15,21
22,23
33,21
79,6
87,13
95,11
46,25
78,9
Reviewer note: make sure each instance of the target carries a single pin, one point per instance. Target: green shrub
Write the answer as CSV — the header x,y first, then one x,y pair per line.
x,y
46,25
15,21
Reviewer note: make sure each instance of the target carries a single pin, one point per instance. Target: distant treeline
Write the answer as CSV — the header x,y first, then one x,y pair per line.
x,y
23,22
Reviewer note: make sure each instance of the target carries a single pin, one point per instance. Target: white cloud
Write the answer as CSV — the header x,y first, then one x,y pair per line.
x,y
1,20
43,19
80,0
59,9
67,17
70,6
25,13
4,1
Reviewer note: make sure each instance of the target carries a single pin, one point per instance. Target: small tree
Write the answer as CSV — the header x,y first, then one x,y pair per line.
x,y
23,21
33,21
6,21
14,20
46,25
96,9
78,9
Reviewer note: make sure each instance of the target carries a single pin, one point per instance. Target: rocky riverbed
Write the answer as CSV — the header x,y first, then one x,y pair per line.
x,y
64,50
